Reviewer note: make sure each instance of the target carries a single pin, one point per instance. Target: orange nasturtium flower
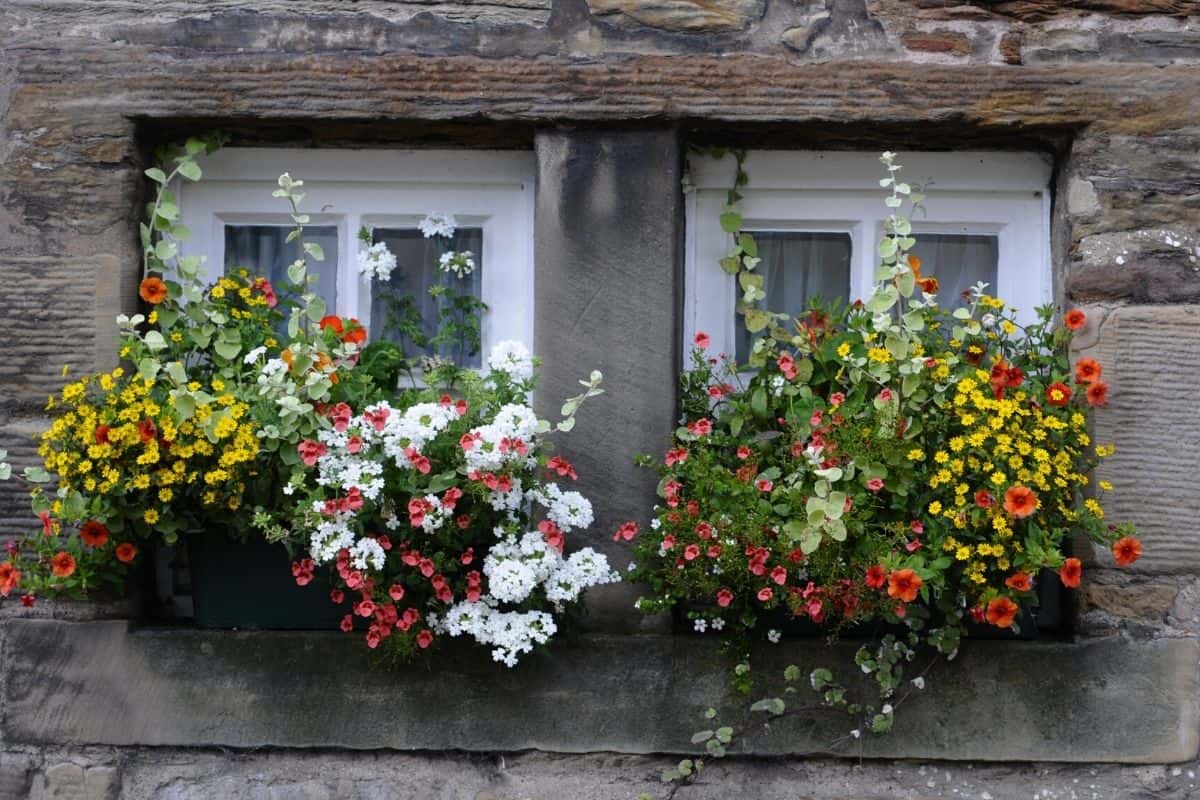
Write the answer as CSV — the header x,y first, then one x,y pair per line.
x,y
1070,573
63,564
1019,581
1126,550
10,578
153,290
1097,393
903,584
1020,501
1001,612
93,533
1087,370
1075,319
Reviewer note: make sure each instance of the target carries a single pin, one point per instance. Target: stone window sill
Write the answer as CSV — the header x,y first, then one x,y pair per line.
x,y
107,682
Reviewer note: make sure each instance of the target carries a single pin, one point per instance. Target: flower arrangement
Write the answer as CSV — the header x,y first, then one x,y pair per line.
x,y
892,464
244,406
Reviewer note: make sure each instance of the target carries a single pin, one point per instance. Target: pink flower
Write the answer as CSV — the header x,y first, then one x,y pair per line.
x,y
310,451
460,408
378,418
337,596
676,456
341,416
913,546
702,340
424,639
691,552
875,484
886,395
347,624
765,594
787,365
714,551
764,485
724,598
701,427
396,592
627,531
354,444
836,399
917,527
668,542
779,575
425,566
743,452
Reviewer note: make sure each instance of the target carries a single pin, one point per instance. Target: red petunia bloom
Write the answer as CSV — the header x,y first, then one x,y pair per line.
x,y
1058,394
1020,501
1001,612
10,578
1075,319
125,552
93,533
903,584
1087,370
62,565
1020,581
1097,393
1126,550
875,577
1070,573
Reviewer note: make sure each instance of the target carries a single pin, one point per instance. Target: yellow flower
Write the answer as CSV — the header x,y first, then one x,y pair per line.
x,y
1106,486
879,355
1008,327
963,553
935,507
165,495
218,292
151,516
916,454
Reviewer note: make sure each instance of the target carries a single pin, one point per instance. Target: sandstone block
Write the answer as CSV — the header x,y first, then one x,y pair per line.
x,y
680,15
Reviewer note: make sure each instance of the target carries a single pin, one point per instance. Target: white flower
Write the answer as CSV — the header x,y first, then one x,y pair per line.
x,y
438,224
988,320
856,733
718,624
461,264
376,262
253,355
887,708
919,682
774,636
513,359
700,626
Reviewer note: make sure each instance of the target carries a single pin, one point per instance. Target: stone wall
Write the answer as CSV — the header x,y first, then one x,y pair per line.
x,y
1111,88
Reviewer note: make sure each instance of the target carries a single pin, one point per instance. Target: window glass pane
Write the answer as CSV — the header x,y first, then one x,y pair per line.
x,y
797,267
406,294
958,262
265,251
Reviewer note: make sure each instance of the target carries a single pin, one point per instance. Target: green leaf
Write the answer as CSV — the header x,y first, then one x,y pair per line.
x,y
157,175
731,264
148,368
155,341
715,748
731,221
5,471
725,735
757,319
190,170
314,250
297,271
36,475
748,245
701,736
184,405
316,309
772,705
758,402
226,349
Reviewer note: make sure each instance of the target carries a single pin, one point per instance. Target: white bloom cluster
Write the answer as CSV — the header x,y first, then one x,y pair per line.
x,y
461,263
512,358
376,262
496,443
567,510
438,224
509,633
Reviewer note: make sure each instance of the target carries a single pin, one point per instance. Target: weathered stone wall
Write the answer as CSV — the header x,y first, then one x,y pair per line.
x,y
619,88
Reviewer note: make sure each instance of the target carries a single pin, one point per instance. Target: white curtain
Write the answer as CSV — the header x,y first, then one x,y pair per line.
x,y
265,251
798,267
958,262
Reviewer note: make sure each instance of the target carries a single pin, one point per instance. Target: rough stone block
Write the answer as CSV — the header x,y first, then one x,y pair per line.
x,y
606,297
65,781
939,41
681,15
105,684
102,783
1148,355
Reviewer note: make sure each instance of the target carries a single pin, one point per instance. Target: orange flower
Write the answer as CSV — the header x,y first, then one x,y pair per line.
x,y
929,285
1070,572
1020,501
288,357
1058,394
1020,581
1001,611
1075,319
1097,393
63,564
903,584
356,336
1126,550
1087,370
10,578
153,290
93,533
331,321
126,552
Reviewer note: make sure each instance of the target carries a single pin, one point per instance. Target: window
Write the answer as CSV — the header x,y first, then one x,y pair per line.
x,y
817,217
236,222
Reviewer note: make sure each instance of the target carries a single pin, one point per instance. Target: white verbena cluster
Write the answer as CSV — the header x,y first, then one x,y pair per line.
x,y
438,224
509,633
461,263
513,359
376,262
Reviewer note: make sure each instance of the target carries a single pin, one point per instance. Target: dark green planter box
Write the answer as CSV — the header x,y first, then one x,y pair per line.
x,y
249,584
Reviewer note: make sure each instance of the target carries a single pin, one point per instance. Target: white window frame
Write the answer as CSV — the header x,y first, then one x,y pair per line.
x,y
1005,194
492,190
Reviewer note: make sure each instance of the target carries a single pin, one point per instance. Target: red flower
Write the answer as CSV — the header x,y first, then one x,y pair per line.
x,y
875,484
1001,612
743,452
153,290
331,322
876,577
1020,581
147,430
724,598
347,624
93,533
27,600
764,485
765,594
310,451
903,584
1087,370
1075,319
702,340
126,552
984,499
1020,501
676,456
1058,394
62,565
691,552
356,335
627,531
1097,393
102,434
10,578
1126,550
779,575
1070,573
424,639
